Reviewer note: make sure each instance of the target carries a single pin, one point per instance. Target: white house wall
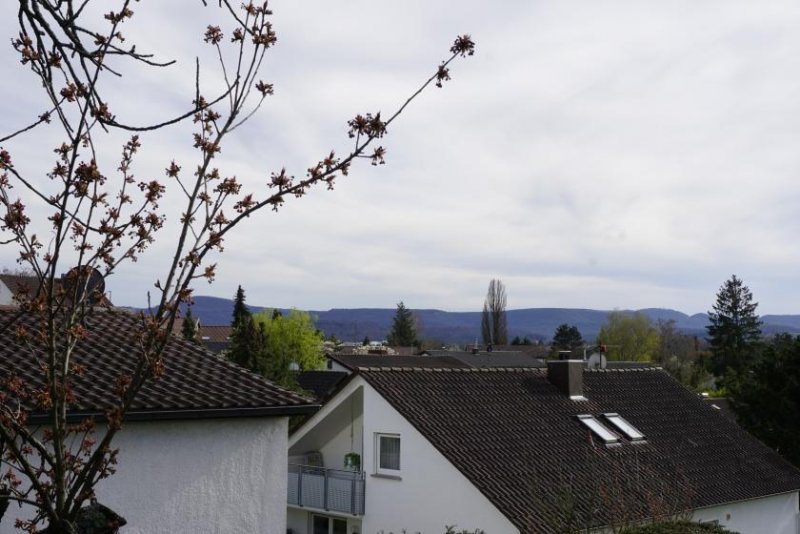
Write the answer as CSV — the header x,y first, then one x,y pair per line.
x,y
338,433
6,296
777,514
432,492
214,476
202,476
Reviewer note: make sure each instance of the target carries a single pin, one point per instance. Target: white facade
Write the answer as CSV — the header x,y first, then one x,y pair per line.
x,y
194,477
777,514
6,296
427,494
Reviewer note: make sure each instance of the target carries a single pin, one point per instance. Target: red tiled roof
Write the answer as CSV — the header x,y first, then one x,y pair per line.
x,y
517,439
196,382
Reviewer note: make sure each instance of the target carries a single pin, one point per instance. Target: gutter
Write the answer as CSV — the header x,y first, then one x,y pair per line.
x,y
189,414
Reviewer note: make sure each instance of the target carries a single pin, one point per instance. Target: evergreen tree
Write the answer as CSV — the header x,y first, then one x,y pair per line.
x,y
366,341
734,329
766,398
246,337
240,311
404,330
189,327
247,346
567,337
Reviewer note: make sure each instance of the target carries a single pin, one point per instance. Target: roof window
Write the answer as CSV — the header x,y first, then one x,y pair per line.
x,y
630,431
608,437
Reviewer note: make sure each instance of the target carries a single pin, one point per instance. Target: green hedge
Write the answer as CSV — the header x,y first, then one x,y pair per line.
x,y
679,527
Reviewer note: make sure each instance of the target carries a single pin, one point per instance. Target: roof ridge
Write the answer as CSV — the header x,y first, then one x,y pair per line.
x,y
372,369
625,369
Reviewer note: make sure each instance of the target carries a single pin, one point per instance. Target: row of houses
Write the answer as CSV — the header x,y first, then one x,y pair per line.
x,y
414,443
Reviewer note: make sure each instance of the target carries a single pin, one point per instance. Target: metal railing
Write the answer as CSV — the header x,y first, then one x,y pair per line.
x,y
326,489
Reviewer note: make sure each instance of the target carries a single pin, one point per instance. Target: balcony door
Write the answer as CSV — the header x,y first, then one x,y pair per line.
x,y
328,525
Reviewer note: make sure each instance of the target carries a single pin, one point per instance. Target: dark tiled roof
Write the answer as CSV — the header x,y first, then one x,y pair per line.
x,y
216,346
356,361
320,383
516,438
196,382
540,351
28,286
351,350
18,283
215,333
494,359
628,365
722,404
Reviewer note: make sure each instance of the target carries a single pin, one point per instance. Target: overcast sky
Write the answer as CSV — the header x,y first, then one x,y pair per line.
x,y
593,154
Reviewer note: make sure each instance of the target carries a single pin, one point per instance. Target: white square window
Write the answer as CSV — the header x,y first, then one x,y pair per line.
x,y
387,454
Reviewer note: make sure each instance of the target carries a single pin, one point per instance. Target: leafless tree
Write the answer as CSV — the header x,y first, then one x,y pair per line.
x,y
494,327
102,217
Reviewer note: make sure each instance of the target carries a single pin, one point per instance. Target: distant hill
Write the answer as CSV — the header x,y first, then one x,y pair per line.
x,y
464,327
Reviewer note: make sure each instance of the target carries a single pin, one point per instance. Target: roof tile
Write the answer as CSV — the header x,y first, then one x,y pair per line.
x,y
195,379
517,439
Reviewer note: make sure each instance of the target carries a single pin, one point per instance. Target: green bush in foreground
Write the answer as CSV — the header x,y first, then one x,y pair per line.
x,y
679,527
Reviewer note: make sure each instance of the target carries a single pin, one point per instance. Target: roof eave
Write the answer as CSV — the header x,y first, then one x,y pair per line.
x,y
189,414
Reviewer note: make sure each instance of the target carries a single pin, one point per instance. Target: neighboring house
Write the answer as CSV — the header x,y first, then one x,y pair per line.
x,y
375,348
216,338
203,448
528,450
491,359
12,285
319,383
349,362
537,350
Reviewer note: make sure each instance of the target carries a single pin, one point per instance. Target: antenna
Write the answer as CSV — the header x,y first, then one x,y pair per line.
x,y
84,283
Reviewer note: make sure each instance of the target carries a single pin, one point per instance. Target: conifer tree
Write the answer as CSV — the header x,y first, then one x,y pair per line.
x,y
404,329
240,311
734,328
189,327
246,337
567,337
766,399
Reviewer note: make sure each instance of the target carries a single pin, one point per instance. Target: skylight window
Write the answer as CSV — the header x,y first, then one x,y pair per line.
x,y
630,431
608,437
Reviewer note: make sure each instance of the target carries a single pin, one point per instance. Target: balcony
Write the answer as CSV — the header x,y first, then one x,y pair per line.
x,y
332,490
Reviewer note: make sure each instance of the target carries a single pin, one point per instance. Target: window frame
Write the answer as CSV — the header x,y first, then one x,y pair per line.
x,y
330,520
607,436
624,426
387,471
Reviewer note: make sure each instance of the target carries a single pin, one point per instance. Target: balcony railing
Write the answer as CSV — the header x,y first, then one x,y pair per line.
x,y
326,489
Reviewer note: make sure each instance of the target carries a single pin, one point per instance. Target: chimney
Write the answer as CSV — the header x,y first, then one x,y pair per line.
x,y
567,376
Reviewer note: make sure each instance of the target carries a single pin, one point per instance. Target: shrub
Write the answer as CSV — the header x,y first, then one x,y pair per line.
x,y
678,527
